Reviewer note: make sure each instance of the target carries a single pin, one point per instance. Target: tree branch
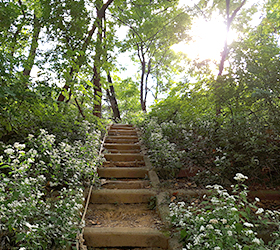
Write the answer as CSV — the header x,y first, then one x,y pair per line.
x,y
79,107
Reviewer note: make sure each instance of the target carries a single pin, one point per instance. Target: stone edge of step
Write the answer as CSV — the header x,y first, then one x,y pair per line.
x,y
143,237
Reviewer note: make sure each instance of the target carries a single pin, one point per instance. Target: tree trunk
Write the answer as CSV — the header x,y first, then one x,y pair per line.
x,y
113,101
33,48
100,15
79,108
97,65
97,92
229,21
143,71
225,50
146,83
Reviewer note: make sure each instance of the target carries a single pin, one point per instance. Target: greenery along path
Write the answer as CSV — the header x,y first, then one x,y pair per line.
x,y
121,213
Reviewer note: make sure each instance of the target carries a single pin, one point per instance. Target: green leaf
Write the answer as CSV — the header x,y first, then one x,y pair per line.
x,y
238,227
20,237
183,234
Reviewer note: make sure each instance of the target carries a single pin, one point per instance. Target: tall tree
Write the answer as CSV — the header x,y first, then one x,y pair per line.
x,y
154,28
33,47
79,58
229,10
230,15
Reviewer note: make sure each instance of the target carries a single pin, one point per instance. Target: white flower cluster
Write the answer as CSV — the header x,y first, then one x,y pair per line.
x,y
24,200
216,222
240,177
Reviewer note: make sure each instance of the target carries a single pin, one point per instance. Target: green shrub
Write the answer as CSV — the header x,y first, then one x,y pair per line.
x,y
224,221
41,189
164,154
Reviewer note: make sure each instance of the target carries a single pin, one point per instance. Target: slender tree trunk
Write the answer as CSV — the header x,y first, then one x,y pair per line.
x,y
229,21
146,82
143,106
97,92
97,65
143,71
225,50
33,48
100,15
113,101
79,108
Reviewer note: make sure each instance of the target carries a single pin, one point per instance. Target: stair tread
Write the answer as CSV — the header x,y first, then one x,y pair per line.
x,y
124,162
125,237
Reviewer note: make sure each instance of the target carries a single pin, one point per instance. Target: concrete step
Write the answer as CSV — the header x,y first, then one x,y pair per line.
x,y
122,132
122,126
116,172
123,164
116,151
116,146
124,237
123,157
126,196
135,184
121,139
125,141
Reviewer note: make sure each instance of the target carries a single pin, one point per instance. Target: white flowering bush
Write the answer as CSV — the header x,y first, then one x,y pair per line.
x,y
41,190
222,220
164,154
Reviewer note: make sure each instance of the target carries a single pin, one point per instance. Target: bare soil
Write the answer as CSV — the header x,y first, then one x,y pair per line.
x,y
178,183
122,215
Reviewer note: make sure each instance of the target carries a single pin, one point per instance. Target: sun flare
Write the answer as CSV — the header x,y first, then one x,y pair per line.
x,y
208,40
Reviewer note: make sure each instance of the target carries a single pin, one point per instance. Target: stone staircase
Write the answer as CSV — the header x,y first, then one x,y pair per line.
x,y
118,215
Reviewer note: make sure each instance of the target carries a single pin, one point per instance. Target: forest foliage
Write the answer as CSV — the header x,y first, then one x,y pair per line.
x,y
62,81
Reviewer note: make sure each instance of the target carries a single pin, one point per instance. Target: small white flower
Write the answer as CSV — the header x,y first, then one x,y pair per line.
x,y
260,210
30,136
30,160
213,221
218,231
9,151
249,232
247,224
217,248
256,240
217,187
209,227
234,209
215,200
238,246
17,145
229,233
202,228
43,131
202,219
240,177
52,184
224,221
257,199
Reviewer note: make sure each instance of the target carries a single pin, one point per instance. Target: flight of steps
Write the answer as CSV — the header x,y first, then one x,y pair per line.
x,y
126,185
